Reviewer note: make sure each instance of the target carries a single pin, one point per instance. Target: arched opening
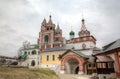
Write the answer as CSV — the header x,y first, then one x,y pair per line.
x,y
25,52
46,39
33,52
77,70
72,66
70,63
33,63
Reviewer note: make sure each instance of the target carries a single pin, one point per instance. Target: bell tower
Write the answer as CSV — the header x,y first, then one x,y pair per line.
x,y
86,39
49,36
46,36
84,32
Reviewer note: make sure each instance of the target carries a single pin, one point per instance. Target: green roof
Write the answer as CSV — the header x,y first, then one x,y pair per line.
x,y
71,33
24,56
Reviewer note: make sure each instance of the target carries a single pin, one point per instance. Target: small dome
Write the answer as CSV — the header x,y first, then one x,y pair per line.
x,y
72,33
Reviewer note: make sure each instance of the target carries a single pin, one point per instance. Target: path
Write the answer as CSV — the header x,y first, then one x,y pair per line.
x,y
73,76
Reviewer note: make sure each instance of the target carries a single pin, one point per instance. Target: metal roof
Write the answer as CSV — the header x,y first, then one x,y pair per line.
x,y
58,48
112,45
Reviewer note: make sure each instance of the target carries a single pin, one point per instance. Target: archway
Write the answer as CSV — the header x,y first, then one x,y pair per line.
x,y
72,64
33,63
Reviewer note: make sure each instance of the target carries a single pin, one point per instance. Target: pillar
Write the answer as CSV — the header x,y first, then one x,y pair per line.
x,y
62,71
117,64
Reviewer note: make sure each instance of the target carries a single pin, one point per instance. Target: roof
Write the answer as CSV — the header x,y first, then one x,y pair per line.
x,y
112,45
96,49
24,56
71,33
91,59
33,46
66,47
58,48
76,52
104,58
109,47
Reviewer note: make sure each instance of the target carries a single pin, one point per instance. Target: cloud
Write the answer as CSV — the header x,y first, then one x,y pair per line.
x,y
20,20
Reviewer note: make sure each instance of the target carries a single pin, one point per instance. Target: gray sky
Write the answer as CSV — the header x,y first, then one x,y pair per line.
x,y
20,20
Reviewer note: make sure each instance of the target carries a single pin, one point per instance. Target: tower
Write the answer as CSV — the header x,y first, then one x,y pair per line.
x,y
58,37
84,32
49,37
46,36
87,40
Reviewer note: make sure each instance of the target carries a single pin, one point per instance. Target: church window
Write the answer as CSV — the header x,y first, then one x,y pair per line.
x,y
83,45
59,56
46,38
47,58
51,28
33,52
28,53
53,57
47,28
25,53
33,63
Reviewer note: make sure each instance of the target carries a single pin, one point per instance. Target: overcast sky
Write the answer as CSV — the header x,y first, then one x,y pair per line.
x,y
20,20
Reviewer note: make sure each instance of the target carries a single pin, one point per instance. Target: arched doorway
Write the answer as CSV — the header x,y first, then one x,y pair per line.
x,y
77,70
33,63
72,64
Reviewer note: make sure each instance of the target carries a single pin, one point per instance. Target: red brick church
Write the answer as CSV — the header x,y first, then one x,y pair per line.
x,y
80,54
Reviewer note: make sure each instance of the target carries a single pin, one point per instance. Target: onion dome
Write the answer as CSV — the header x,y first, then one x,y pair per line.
x,y
72,33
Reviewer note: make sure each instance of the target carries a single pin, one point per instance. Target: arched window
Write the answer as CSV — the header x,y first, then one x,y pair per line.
x,y
33,63
50,28
33,52
25,52
46,38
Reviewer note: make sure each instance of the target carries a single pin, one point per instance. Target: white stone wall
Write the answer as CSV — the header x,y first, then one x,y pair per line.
x,y
88,44
87,52
30,58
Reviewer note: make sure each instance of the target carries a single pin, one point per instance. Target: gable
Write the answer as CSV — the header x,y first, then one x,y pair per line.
x,y
72,52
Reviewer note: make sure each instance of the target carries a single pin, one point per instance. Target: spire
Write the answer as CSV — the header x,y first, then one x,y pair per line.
x,y
84,31
83,25
58,28
50,20
44,21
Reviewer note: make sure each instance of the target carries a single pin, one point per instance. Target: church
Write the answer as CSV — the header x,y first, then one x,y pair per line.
x,y
53,51
69,56
77,55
